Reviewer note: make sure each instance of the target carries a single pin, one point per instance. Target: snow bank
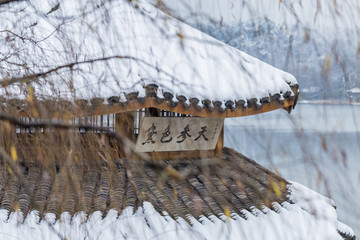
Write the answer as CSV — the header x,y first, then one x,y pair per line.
x,y
311,217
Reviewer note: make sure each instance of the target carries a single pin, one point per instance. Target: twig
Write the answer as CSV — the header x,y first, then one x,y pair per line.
x,y
8,1
24,79
119,138
14,167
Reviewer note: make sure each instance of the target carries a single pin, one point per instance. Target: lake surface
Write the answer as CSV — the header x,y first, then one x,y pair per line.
x,y
316,145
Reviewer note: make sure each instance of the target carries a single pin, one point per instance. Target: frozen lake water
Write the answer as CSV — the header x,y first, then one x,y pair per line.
x,y
316,145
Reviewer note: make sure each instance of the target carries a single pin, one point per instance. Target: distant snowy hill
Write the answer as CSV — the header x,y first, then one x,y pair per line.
x,y
325,67
316,41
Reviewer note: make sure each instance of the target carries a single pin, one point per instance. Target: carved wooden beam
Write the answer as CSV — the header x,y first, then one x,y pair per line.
x,y
134,105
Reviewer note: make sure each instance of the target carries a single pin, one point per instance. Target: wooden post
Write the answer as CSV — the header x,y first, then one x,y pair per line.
x,y
153,112
124,125
220,143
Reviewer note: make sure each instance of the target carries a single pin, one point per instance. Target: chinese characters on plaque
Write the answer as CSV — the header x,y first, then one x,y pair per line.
x,y
162,134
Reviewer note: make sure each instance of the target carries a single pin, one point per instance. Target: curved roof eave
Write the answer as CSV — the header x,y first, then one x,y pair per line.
x,y
208,77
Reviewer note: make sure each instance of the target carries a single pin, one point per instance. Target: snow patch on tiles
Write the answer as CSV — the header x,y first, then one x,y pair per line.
x,y
312,216
152,48
321,207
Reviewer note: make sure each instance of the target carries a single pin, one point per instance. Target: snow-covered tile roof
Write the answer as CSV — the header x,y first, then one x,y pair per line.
x,y
233,182
96,196
123,48
284,221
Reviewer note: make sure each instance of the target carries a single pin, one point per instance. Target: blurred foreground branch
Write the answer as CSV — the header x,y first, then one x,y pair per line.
x,y
9,81
12,165
63,125
7,1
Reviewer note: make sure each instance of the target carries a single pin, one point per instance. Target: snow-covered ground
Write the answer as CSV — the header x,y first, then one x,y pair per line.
x,y
311,217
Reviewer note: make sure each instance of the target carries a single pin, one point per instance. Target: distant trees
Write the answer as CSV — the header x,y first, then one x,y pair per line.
x,y
325,67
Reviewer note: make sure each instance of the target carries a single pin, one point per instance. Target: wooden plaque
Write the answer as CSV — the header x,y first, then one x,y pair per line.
x,y
165,134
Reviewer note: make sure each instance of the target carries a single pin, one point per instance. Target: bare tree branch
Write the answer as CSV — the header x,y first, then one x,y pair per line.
x,y
119,138
60,125
28,78
2,2
14,167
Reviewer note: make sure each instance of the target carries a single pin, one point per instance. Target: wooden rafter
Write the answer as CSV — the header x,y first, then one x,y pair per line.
x,y
104,109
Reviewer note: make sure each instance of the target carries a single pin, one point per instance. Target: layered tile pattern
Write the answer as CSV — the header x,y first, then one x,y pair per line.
x,y
216,186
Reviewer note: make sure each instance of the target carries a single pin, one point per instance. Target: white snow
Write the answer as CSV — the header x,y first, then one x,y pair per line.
x,y
311,217
321,207
152,48
311,89
354,90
